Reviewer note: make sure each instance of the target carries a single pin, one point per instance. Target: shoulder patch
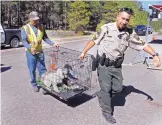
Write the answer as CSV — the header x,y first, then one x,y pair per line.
x,y
142,42
136,37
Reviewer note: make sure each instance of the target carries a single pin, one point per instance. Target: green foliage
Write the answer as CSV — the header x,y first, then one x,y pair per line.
x,y
75,15
156,25
16,13
99,25
111,8
95,17
78,15
109,11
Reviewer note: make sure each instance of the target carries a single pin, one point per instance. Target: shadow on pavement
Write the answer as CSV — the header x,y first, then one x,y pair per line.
x,y
3,69
119,99
75,101
157,41
8,47
78,100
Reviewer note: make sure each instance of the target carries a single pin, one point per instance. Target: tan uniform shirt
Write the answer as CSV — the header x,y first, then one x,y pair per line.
x,y
114,43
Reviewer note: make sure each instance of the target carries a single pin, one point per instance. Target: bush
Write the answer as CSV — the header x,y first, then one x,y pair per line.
x,y
99,25
79,30
80,33
156,25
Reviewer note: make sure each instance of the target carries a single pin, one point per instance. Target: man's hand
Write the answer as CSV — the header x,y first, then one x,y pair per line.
x,y
156,61
55,45
33,51
82,55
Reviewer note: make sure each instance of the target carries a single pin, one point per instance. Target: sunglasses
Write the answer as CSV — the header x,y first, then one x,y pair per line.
x,y
127,10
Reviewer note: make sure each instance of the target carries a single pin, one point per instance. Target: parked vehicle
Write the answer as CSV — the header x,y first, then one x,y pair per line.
x,y
142,29
10,37
150,30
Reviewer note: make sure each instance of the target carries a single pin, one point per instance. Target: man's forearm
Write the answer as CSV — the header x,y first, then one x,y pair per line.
x,y
48,41
24,39
26,44
149,50
89,45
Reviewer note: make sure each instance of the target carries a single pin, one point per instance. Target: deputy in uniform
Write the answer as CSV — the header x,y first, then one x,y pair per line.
x,y
32,35
113,41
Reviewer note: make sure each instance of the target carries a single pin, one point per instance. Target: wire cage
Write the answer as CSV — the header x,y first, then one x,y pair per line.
x,y
67,75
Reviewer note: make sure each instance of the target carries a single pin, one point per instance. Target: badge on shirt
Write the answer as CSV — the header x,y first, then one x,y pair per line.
x,y
124,35
142,42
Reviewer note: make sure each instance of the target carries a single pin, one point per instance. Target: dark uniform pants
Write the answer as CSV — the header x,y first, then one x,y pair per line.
x,y
110,80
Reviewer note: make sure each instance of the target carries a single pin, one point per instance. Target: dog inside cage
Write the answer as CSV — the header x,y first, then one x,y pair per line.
x,y
66,74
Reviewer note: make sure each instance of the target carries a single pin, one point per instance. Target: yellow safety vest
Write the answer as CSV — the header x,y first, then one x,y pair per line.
x,y
34,41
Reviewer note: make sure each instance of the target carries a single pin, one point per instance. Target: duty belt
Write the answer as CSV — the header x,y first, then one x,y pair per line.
x,y
107,62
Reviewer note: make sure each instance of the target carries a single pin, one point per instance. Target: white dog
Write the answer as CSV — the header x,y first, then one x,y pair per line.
x,y
54,78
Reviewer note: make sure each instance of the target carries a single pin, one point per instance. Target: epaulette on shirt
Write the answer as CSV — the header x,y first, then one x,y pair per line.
x,y
104,28
108,25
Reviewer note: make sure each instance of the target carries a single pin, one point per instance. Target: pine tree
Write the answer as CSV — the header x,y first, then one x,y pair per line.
x,y
78,15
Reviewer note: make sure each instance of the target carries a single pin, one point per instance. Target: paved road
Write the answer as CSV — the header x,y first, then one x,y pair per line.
x,y
21,106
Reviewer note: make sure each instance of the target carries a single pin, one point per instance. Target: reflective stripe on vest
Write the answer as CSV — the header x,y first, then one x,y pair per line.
x,y
34,41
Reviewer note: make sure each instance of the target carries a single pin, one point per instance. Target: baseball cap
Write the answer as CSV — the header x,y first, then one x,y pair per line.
x,y
33,15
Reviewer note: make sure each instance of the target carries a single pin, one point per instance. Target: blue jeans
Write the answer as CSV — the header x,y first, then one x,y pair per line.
x,y
33,62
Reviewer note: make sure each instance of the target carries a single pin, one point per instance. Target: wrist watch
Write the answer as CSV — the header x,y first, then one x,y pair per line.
x,y
156,54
